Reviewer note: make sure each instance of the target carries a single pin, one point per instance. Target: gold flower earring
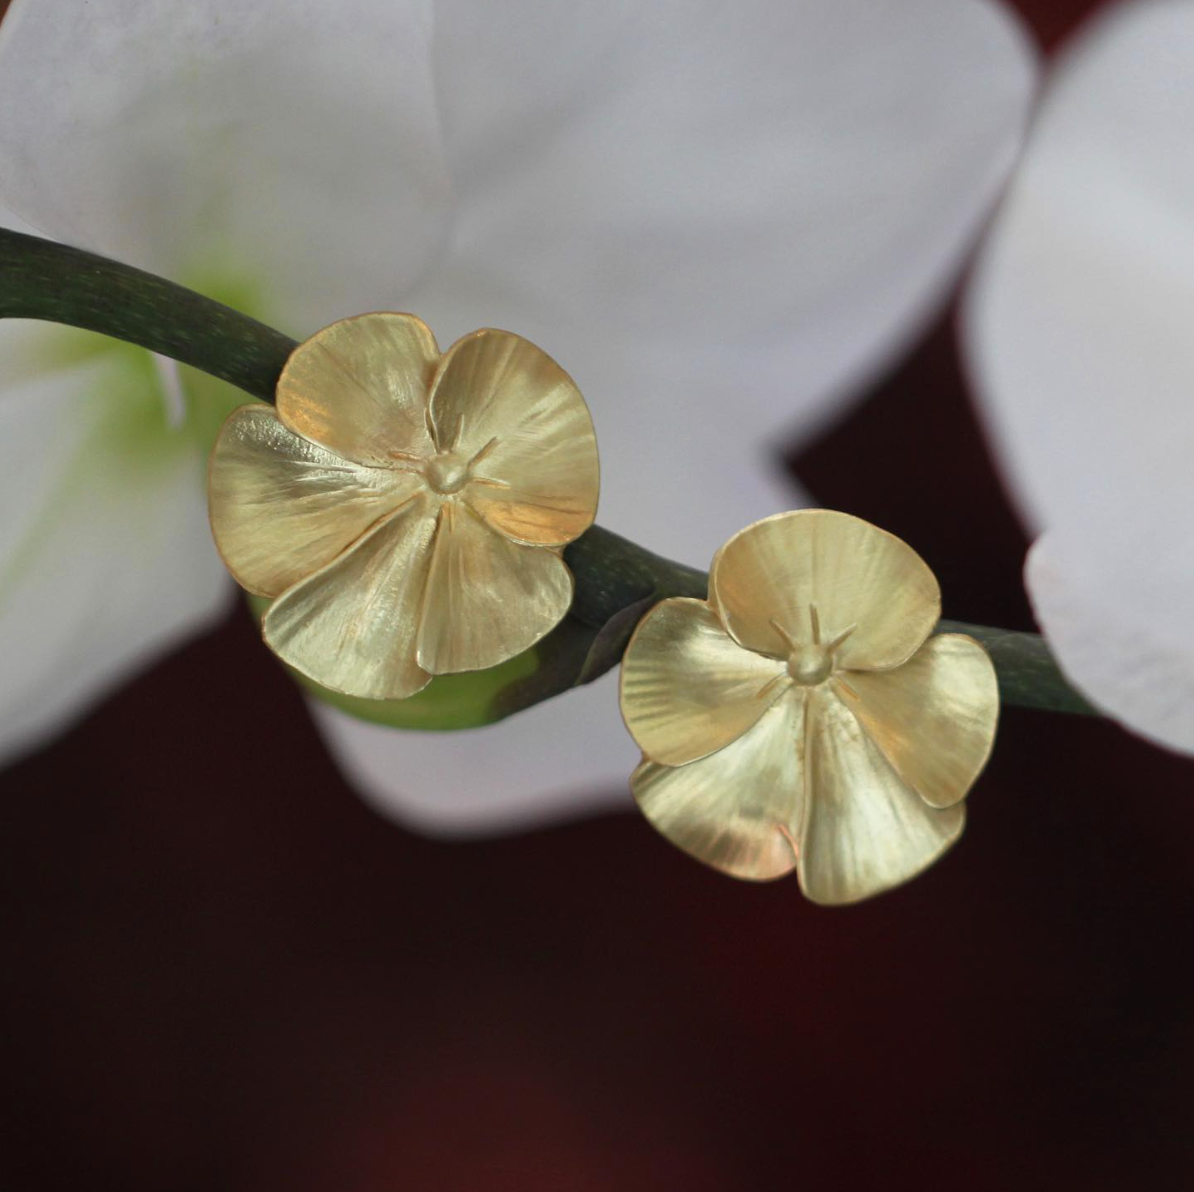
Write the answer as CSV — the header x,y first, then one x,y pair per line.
x,y
406,510
803,717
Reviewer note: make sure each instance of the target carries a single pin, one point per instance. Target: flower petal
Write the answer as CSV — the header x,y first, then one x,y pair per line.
x,y
738,809
688,689
558,760
498,394
353,625
359,387
861,580
934,717
722,233
487,598
105,558
865,829
1141,673
1078,324
296,146
282,507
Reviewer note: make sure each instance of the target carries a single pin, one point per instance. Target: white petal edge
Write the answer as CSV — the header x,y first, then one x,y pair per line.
x,y
1078,328
563,759
1123,666
291,151
105,557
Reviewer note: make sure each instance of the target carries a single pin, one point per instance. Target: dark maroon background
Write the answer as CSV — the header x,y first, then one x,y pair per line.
x,y
221,971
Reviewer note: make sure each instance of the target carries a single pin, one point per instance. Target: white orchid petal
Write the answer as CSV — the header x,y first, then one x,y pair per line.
x,y
560,759
290,152
1134,673
788,184
105,556
10,220
1079,327
718,219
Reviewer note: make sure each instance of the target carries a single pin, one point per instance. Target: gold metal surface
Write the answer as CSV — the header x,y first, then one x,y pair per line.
x,y
859,580
800,719
407,510
687,688
733,808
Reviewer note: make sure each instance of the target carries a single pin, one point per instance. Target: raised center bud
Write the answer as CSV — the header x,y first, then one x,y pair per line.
x,y
447,473
810,665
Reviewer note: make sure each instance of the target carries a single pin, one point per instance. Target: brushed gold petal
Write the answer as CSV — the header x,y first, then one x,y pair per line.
x,y
817,574
934,717
487,598
738,809
517,418
359,387
865,829
353,625
687,688
282,507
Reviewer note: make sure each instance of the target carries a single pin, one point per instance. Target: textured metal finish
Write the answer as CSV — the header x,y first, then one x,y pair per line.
x,y
268,539
861,581
687,688
737,809
407,511
800,719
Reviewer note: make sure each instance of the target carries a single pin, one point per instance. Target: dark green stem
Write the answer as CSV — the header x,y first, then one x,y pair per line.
x,y
43,280
616,581
613,573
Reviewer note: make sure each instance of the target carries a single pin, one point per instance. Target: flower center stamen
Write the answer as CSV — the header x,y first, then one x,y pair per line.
x,y
810,664
447,473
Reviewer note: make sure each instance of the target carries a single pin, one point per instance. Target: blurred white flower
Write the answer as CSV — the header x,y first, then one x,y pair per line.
x,y
1080,323
221,145
737,212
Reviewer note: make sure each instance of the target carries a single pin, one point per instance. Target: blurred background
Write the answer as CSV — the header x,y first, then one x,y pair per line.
x,y
222,970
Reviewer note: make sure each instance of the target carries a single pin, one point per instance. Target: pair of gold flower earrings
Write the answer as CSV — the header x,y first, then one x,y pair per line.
x,y
406,513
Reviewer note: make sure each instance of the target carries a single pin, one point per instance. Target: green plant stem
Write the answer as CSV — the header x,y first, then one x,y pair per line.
x,y
616,581
43,280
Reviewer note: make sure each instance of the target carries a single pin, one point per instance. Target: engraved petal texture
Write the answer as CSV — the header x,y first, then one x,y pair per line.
x,y
738,809
499,397
352,626
359,388
934,717
860,580
880,759
487,598
688,689
396,550
282,507
866,830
